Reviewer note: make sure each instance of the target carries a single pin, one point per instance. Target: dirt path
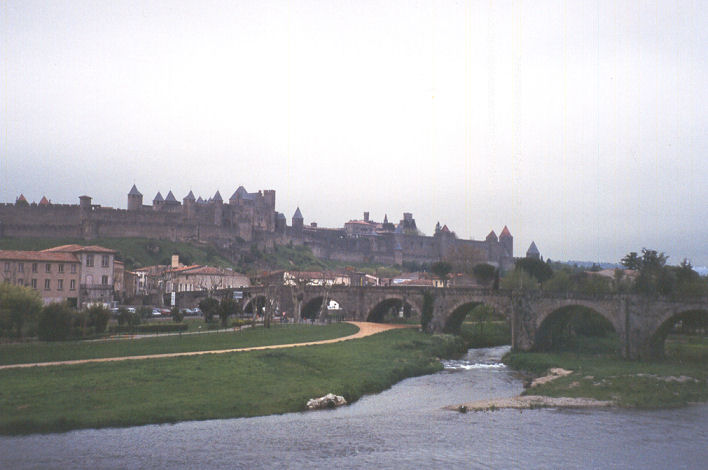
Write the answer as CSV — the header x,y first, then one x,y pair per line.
x,y
365,329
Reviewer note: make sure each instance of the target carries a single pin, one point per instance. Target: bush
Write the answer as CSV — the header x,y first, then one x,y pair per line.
x,y
18,305
55,322
98,317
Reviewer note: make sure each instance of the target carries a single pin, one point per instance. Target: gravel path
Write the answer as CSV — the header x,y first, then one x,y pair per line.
x,y
365,329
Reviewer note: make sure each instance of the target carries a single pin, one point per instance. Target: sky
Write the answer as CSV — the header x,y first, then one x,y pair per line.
x,y
579,125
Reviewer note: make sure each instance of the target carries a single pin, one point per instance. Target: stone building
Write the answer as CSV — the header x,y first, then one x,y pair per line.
x,y
56,276
96,272
202,278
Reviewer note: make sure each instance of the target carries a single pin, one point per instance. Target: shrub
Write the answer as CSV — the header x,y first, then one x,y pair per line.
x,y
55,322
98,317
18,305
177,315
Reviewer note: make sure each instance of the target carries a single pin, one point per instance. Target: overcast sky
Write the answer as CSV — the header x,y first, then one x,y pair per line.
x,y
580,125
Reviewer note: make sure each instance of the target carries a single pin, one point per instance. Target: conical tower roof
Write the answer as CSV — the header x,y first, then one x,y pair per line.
x,y
189,197
158,197
533,249
505,233
298,214
492,236
217,197
134,191
170,197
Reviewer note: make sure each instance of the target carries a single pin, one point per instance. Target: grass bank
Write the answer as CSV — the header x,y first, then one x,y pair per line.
x,y
20,353
676,381
232,385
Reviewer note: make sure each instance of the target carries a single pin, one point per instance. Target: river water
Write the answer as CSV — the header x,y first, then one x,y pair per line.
x,y
403,427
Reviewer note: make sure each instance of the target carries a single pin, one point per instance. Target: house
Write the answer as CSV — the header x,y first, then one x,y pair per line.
x,y
199,278
96,269
56,276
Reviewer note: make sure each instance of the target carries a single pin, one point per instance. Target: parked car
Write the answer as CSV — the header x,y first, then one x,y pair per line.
x,y
156,312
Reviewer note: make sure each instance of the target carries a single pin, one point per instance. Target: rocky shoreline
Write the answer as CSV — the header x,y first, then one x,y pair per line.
x,y
529,402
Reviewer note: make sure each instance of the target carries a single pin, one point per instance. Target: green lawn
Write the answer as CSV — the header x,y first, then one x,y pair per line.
x,y
51,399
678,380
281,334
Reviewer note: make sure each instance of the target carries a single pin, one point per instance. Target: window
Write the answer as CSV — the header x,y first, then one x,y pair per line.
x,y
60,284
61,267
104,261
72,284
47,284
48,268
34,283
21,267
73,268
104,280
34,267
7,267
89,261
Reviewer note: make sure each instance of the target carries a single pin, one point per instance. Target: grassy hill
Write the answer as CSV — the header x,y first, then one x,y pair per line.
x,y
135,252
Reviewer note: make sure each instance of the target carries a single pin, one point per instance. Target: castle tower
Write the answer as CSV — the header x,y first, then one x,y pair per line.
x,y
298,221
218,208
492,237
135,199
188,204
533,252
158,201
507,241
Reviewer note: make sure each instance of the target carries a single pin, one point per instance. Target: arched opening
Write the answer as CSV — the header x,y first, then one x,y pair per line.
x,y
682,337
392,311
480,325
579,329
323,309
255,306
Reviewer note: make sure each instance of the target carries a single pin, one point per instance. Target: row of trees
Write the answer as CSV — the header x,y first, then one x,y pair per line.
x,y
647,274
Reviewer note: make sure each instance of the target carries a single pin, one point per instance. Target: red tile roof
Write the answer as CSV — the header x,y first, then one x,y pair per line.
x,y
44,201
505,232
18,255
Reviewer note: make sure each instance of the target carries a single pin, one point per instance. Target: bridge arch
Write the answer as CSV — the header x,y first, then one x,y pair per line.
x,y
696,318
255,304
567,326
312,307
390,308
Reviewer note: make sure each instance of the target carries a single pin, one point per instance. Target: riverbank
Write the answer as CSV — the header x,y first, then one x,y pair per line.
x,y
613,381
239,384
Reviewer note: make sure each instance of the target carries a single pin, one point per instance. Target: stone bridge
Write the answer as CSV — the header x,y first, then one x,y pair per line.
x,y
641,323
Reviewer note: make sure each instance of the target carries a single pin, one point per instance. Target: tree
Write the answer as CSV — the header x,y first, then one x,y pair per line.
x,y
632,261
227,307
484,273
18,305
535,267
441,269
177,315
209,307
519,279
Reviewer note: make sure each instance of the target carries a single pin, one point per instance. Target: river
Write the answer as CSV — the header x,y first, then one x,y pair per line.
x,y
403,427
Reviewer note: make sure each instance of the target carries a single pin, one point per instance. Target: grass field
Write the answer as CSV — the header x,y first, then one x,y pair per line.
x,y
52,399
19,353
680,379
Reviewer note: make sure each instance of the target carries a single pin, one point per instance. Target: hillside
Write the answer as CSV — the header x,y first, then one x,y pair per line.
x,y
135,252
